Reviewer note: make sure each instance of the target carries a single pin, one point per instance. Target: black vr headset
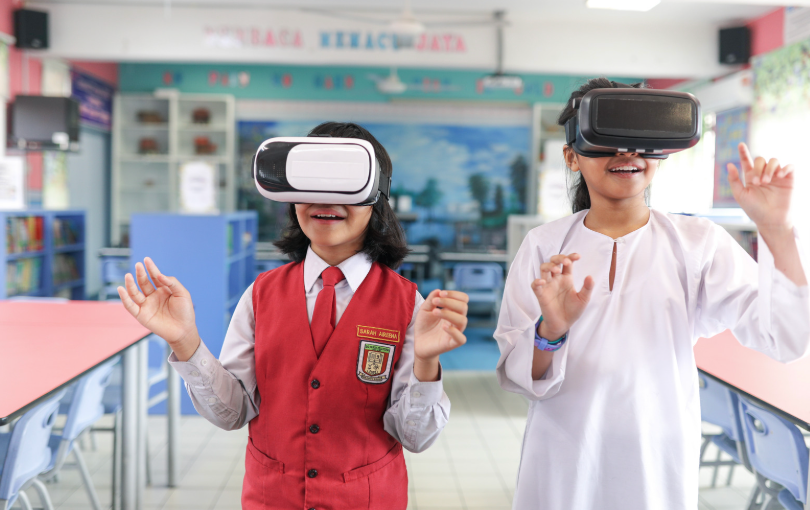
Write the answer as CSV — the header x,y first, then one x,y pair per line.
x,y
320,170
650,123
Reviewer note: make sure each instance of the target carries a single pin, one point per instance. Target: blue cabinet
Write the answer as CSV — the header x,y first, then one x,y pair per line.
x,y
42,253
213,256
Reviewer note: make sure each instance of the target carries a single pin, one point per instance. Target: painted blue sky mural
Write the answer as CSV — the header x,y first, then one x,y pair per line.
x,y
463,181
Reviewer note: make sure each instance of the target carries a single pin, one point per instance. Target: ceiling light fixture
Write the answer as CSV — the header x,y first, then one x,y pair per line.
x,y
623,5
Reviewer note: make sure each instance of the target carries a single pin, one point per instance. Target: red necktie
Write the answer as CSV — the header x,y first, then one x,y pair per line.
x,y
325,314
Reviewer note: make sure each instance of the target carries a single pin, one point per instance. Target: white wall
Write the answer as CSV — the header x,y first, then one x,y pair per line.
x,y
682,47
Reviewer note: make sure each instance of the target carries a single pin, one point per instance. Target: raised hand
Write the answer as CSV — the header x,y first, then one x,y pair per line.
x,y
560,302
765,197
439,328
164,308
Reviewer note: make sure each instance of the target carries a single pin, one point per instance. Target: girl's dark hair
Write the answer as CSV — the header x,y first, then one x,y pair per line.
x,y
384,239
578,189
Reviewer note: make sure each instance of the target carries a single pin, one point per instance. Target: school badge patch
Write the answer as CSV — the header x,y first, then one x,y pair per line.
x,y
374,362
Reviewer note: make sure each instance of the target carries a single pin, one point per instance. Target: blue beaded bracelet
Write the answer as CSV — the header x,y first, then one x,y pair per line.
x,y
544,344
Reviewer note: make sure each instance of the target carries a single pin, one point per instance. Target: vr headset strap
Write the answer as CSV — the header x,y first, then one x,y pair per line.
x,y
385,182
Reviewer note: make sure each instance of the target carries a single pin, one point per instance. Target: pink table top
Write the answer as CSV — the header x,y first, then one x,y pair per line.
x,y
785,387
44,346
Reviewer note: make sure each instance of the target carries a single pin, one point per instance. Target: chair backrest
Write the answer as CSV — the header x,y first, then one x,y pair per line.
x,y
28,452
113,269
86,407
478,276
775,448
719,406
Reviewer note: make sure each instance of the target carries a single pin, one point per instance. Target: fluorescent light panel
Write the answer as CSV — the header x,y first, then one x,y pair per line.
x,y
623,5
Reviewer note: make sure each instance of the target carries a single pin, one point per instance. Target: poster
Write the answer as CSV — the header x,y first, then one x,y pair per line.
x,y
460,182
198,191
732,128
95,99
12,183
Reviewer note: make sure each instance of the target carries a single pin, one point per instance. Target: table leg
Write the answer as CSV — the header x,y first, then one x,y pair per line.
x,y
143,397
173,419
807,496
129,429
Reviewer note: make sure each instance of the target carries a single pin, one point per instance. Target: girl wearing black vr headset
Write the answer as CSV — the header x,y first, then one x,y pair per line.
x,y
332,359
615,416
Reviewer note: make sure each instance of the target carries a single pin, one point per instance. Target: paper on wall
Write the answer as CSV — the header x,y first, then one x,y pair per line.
x,y
12,183
198,190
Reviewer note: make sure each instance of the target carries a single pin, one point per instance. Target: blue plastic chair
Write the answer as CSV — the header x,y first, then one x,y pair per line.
x,y
777,451
85,409
483,283
113,269
719,406
25,453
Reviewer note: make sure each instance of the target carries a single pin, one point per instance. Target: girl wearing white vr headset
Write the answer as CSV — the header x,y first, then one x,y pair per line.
x,y
333,359
602,309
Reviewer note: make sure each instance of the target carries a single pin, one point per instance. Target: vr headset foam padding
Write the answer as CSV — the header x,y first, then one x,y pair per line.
x,y
319,170
651,123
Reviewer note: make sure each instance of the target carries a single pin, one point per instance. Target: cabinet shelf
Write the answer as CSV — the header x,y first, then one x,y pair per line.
x,y
31,272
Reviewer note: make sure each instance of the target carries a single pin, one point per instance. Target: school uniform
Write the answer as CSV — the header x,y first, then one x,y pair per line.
x,y
328,420
615,422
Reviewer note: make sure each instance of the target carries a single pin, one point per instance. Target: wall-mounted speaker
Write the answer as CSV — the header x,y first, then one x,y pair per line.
x,y
735,45
31,29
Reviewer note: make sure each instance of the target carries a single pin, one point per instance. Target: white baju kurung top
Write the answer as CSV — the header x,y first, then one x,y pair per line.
x,y
614,424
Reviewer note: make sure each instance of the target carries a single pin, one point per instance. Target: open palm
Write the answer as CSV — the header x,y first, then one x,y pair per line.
x,y
440,323
765,197
164,308
560,302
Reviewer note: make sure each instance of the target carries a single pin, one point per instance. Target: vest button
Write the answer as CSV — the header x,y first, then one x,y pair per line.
x,y
312,473
314,429
315,384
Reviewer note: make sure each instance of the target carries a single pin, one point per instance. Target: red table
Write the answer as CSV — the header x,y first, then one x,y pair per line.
x,y
782,388
45,346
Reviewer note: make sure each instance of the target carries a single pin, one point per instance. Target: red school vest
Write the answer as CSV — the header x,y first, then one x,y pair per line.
x,y
318,441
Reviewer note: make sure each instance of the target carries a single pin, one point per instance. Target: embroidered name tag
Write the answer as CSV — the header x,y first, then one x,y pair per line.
x,y
386,335
374,362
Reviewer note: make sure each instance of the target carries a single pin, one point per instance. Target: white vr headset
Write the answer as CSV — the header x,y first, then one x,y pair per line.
x,y
319,170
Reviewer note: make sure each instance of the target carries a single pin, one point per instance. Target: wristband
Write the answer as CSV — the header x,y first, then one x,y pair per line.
x,y
544,344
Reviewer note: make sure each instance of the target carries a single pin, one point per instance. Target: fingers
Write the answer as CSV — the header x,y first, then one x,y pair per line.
x,y
557,265
143,280
456,319
587,288
457,336
746,161
132,289
785,171
173,285
153,270
428,305
129,304
455,294
770,169
734,180
455,305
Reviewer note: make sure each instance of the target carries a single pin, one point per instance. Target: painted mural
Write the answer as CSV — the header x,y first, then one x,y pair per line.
x,y
453,186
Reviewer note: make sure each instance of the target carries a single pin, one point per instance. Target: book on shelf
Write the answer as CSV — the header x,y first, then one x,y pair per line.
x,y
65,269
65,232
24,234
23,276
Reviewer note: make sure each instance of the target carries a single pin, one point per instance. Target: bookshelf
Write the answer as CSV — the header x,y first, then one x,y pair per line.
x,y
213,256
153,136
43,254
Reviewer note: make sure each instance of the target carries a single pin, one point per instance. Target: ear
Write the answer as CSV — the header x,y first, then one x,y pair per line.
x,y
571,159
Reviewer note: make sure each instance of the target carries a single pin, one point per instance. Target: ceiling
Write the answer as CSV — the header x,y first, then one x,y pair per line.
x,y
720,12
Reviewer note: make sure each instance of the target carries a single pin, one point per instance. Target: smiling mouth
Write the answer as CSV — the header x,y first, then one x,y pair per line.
x,y
327,217
625,169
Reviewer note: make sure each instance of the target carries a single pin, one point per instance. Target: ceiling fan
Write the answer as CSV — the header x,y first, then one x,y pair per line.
x,y
406,23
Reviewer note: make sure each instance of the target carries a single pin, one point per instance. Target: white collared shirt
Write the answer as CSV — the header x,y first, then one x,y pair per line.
x,y
224,391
